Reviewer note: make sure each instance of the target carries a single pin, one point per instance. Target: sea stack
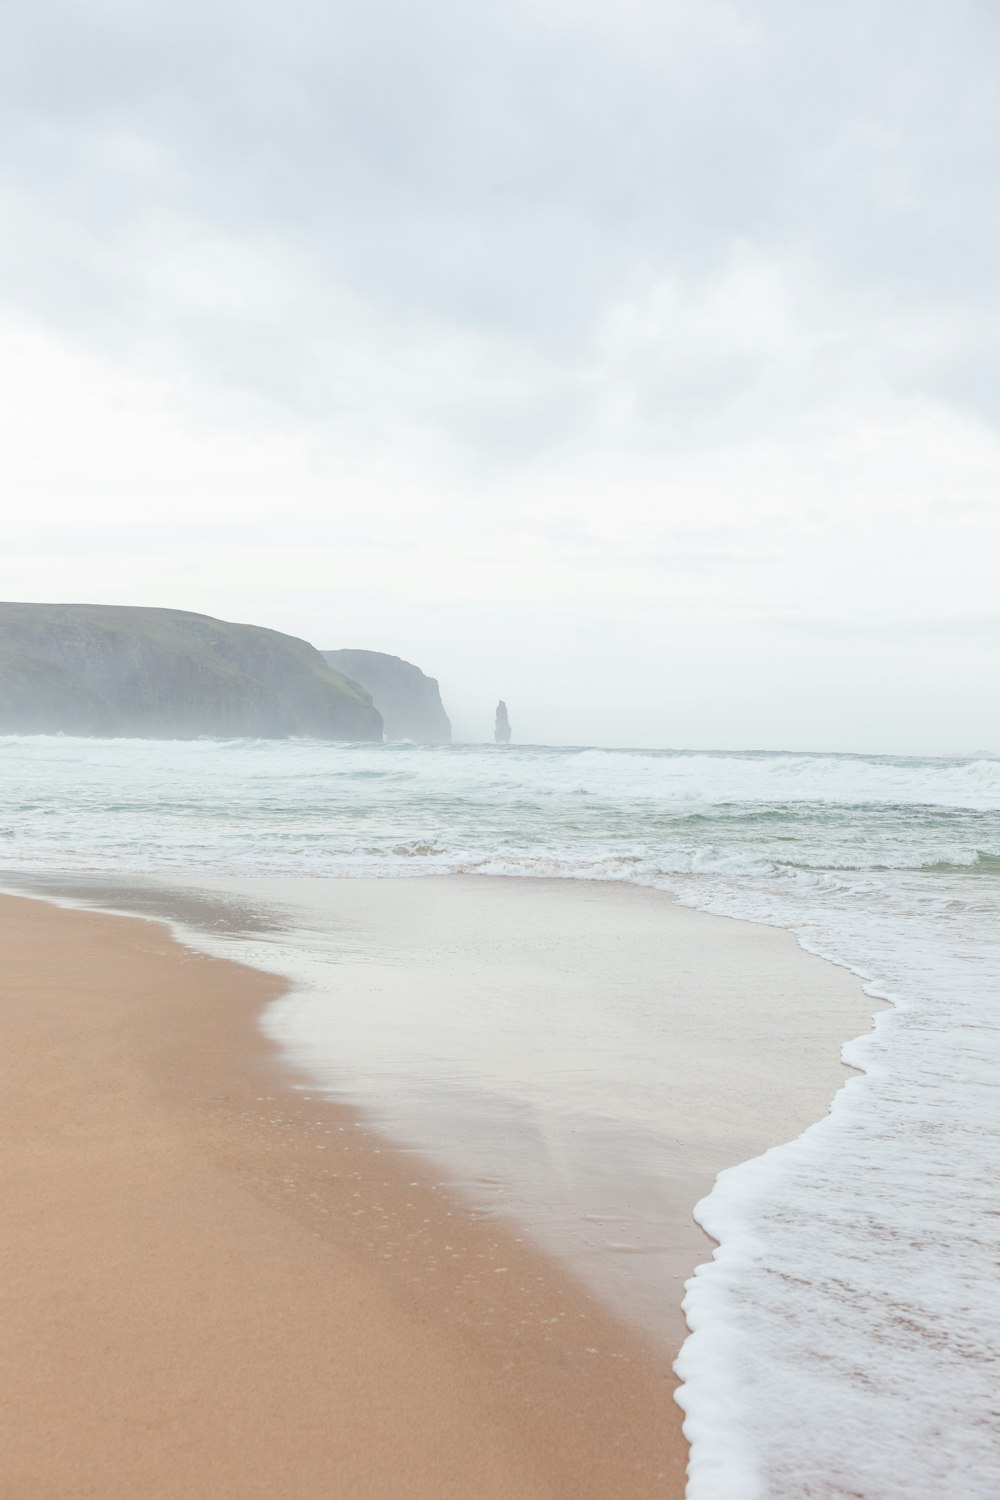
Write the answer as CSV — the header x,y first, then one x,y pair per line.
x,y
501,731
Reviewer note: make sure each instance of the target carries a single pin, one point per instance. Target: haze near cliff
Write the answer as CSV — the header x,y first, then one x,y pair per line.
x,y
634,363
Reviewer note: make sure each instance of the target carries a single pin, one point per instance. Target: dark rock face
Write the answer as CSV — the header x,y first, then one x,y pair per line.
x,y
409,702
95,669
501,729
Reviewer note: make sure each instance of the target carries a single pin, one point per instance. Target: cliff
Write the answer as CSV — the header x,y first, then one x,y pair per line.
x,y
409,702
95,669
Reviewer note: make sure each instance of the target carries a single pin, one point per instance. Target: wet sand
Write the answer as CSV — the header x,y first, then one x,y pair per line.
x,y
216,1287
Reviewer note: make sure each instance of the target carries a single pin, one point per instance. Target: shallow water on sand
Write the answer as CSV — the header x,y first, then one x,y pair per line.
x,y
582,1058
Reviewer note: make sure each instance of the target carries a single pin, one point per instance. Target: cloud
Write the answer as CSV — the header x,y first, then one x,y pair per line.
x,y
509,168
673,317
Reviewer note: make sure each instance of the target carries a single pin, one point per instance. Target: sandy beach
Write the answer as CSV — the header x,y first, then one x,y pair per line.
x,y
219,1284
198,1304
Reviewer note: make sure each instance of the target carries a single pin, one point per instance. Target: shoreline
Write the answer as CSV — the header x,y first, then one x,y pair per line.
x,y
200,1305
570,1389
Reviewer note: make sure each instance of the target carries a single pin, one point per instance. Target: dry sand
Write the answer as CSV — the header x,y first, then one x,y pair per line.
x,y
196,1304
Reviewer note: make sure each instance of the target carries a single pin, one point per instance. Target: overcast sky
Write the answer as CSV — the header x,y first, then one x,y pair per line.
x,y
635,360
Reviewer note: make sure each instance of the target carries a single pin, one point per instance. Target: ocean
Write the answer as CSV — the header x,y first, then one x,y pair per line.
x,y
845,1335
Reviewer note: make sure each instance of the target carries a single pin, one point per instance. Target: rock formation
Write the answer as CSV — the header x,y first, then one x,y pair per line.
x,y
501,730
409,702
94,669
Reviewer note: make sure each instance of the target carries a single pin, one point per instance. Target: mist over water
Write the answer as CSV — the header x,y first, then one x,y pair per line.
x,y
848,1326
